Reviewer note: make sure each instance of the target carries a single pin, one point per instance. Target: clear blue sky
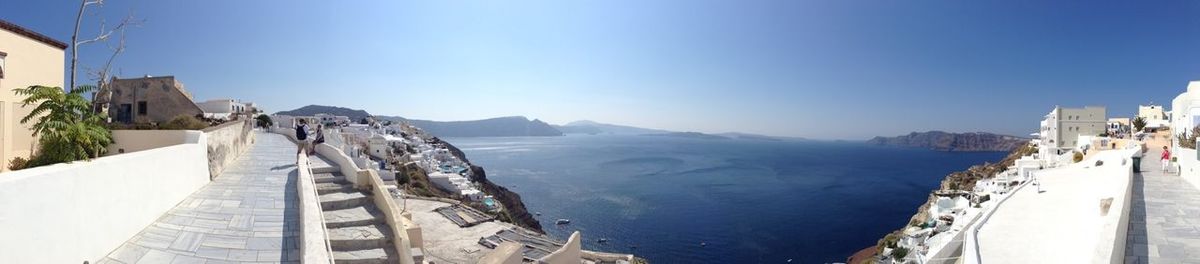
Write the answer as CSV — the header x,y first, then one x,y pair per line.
x,y
820,69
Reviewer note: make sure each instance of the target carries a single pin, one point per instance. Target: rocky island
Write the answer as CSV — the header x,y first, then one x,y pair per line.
x,y
945,141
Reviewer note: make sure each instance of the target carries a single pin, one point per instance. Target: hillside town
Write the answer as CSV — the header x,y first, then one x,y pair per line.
x,y
135,169
1089,187
167,178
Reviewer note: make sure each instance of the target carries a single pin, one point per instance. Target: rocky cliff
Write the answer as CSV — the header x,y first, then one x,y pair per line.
x,y
944,141
513,206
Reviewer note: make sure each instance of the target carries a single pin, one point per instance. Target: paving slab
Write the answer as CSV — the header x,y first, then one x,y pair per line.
x,y
1163,221
247,214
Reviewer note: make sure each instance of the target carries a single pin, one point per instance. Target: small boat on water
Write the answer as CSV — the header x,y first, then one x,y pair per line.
x,y
602,240
538,213
562,221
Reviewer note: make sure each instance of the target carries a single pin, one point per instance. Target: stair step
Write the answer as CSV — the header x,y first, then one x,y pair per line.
x,y
322,165
343,200
332,187
357,216
359,237
366,256
334,177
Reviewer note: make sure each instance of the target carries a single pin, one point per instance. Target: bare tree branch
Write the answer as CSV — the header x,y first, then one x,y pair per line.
x,y
102,75
102,36
75,37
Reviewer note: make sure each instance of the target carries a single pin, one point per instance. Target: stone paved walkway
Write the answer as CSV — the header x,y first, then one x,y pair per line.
x,y
248,214
1164,222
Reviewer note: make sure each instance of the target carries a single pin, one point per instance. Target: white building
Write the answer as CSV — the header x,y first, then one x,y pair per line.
x,y
334,119
1118,125
1185,109
456,184
379,145
1061,128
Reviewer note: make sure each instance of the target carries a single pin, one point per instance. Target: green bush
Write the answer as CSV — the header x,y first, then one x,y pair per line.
x,y
264,121
899,253
67,128
401,178
184,122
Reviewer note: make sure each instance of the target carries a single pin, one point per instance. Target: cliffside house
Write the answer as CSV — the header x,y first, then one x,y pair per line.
x,y
149,100
1061,128
1119,125
27,58
333,119
225,109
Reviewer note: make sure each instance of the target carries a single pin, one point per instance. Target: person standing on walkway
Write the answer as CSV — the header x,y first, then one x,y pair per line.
x,y
302,136
1166,158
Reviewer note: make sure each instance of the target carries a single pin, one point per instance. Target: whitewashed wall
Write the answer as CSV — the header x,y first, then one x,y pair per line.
x,y
1189,166
127,141
69,213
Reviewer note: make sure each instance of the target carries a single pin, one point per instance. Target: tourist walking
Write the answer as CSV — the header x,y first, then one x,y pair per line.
x,y
1166,158
302,136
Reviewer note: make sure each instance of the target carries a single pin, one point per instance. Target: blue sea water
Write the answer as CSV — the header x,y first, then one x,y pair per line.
x,y
750,201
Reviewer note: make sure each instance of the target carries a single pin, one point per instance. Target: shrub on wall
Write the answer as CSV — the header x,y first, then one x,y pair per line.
x,y
1188,141
17,163
899,253
184,122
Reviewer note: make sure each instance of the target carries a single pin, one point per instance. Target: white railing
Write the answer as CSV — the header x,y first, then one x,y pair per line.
x,y
314,240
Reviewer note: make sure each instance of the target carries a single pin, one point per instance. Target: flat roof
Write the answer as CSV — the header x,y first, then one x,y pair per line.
x,y
32,34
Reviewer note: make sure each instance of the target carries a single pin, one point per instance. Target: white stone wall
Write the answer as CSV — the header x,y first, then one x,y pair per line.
x,y
127,141
1189,166
76,212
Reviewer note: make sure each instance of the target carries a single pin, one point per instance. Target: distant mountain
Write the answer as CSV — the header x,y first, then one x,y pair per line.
x,y
512,126
310,110
749,136
591,127
944,141
695,135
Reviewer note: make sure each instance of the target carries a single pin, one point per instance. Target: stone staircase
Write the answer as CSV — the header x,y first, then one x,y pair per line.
x,y
357,230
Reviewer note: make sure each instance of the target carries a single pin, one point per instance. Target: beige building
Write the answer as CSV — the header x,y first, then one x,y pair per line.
x,y
26,58
1152,112
1061,128
149,100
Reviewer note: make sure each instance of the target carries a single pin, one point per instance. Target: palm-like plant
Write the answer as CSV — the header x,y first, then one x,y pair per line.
x,y
68,129
1139,123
